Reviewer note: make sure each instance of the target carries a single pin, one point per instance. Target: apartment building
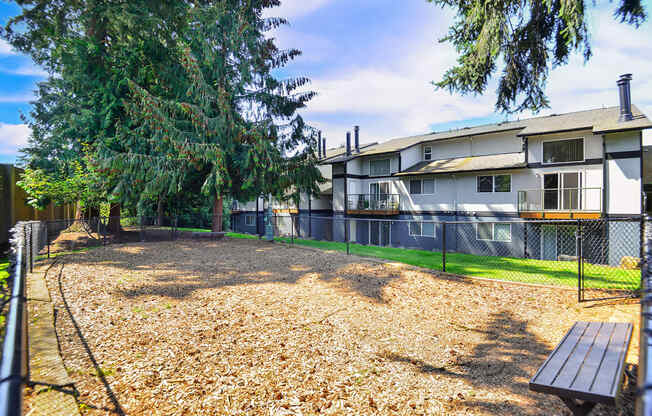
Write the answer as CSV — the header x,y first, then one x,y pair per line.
x,y
579,165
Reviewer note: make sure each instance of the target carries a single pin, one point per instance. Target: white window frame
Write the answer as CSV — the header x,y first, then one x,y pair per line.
x,y
252,217
420,229
543,160
429,153
389,172
493,183
493,232
421,234
561,186
434,186
389,243
389,187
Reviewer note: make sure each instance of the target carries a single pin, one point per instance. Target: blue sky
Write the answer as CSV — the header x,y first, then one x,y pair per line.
x,y
371,63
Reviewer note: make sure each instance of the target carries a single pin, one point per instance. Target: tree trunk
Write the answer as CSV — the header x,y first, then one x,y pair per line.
x,y
114,219
217,214
159,211
79,212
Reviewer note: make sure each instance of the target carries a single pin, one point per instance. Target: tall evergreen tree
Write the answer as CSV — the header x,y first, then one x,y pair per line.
x,y
205,66
526,38
222,117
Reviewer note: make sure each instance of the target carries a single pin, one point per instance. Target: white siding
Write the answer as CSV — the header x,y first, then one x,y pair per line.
x,y
624,190
448,149
354,167
338,194
489,144
411,156
324,202
623,142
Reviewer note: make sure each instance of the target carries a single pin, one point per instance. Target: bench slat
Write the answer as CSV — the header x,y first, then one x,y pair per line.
x,y
576,359
551,367
592,364
611,371
587,364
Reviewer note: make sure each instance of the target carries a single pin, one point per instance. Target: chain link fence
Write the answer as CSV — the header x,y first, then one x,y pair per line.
x,y
601,257
27,239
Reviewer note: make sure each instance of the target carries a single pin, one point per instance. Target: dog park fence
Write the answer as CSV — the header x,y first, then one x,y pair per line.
x,y
28,239
602,258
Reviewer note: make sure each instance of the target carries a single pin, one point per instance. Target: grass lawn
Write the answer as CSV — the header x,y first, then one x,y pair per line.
x,y
4,272
491,267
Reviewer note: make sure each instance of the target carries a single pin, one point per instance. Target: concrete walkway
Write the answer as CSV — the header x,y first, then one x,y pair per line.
x,y
54,390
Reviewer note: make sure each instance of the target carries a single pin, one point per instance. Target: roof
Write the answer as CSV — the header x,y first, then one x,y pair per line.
x,y
600,120
336,151
467,164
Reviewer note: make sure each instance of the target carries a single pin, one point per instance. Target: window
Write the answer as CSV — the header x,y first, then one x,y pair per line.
x,y
422,186
422,229
502,183
563,151
415,186
428,186
494,183
485,183
249,220
494,232
427,153
379,167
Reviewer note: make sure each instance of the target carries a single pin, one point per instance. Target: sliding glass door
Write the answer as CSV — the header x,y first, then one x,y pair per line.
x,y
562,191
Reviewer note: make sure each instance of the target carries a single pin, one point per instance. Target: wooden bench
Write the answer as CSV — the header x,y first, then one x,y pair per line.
x,y
587,366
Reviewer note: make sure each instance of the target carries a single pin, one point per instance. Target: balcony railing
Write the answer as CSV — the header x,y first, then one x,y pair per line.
x,y
373,203
560,199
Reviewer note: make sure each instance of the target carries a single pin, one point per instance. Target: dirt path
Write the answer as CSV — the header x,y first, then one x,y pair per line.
x,y
245,327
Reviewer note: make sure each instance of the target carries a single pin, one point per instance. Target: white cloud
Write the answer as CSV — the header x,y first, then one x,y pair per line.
x,y
30,70
17,98
392,96
295,8
12,138
6,48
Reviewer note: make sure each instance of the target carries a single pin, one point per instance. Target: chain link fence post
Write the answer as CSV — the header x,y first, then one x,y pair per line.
x,y
47,237
348,237
443,246
578,251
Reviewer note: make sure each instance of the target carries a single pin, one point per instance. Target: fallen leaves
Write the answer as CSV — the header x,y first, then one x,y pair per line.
x,y
243,327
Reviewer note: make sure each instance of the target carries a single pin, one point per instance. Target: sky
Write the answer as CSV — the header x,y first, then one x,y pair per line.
x,y
372,62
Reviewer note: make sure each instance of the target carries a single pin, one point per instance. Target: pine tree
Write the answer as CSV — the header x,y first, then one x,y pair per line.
x,y
526,38
223,116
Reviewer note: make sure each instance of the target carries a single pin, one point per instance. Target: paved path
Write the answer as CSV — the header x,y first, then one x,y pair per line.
x,y
52,384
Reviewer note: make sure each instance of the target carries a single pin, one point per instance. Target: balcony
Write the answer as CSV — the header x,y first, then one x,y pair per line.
x,y
373,204
560,203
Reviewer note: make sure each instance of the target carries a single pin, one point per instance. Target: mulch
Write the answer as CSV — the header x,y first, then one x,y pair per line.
x,y
245,327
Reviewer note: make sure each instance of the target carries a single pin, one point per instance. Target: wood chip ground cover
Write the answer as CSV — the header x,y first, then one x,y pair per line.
x,y
244,327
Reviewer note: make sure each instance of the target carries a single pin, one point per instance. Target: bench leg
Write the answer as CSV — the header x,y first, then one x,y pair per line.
x,y
578,409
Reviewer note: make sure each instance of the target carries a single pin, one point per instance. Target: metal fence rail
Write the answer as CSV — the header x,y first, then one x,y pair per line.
x,y
13,368
644,380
